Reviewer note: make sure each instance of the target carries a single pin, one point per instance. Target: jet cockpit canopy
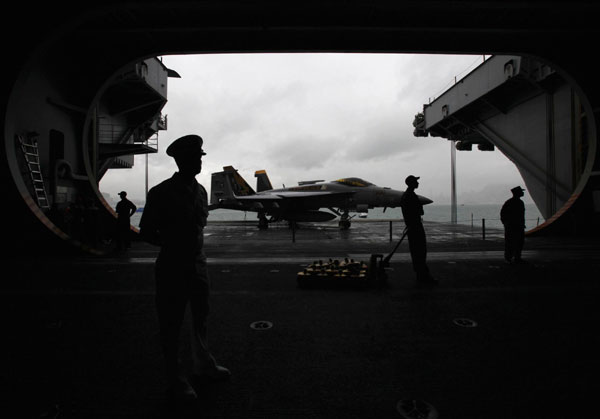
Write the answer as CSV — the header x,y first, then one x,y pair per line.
x,y
353,181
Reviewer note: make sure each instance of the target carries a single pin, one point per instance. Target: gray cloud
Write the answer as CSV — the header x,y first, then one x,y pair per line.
x,y
314,116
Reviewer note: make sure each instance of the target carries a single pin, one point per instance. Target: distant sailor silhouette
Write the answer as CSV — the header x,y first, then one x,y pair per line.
x,y
412,210
124,209
174,218
512,216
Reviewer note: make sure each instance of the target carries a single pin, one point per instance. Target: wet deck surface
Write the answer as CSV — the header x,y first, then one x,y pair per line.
x,y
81,338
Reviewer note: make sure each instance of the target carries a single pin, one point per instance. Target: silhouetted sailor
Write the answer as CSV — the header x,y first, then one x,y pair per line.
x,y
125,209
412,210
174,218
512,216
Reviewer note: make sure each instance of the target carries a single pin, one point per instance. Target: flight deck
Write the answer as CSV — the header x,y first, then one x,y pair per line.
x,y
491,340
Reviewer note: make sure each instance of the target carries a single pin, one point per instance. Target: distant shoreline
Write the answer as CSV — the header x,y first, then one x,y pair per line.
x,y
467,214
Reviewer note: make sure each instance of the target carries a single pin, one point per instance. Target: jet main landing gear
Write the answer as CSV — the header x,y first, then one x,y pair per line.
x,y
263,223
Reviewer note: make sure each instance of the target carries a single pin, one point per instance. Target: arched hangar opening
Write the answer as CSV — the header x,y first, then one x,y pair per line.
x,y
58,72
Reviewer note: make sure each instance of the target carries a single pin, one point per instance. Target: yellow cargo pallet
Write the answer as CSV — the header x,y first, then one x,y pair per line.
x,y
335,273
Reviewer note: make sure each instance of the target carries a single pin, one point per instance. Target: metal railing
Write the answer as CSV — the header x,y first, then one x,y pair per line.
x,y
121,134
113,133
479,227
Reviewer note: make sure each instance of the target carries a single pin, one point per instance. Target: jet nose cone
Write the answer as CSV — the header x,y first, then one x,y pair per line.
x,y
425,201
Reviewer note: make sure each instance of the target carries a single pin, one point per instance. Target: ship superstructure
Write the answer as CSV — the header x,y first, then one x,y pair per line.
x,y
529,112
62,59
61,167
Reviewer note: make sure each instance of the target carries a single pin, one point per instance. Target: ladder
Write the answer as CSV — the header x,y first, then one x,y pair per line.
x,y
30,152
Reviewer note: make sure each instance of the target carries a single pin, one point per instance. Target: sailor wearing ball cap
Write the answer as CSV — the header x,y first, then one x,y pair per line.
x,y
512,216
174,218
412,211
410,179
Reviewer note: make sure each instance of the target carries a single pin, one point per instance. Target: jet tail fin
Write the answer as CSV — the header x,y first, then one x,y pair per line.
x,y
226,185
262,181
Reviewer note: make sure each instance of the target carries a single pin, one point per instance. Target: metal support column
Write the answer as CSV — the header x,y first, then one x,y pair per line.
x,y
453,214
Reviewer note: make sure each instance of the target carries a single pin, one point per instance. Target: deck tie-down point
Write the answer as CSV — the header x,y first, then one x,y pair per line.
x,y
261,325
465,322
416,409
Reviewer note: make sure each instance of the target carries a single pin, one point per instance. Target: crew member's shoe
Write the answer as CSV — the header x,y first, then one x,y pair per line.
x,y
218,373
426,279
431,280
181,390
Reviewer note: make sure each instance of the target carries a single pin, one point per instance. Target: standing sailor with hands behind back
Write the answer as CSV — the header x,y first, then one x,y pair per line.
x,y
174,218
512,216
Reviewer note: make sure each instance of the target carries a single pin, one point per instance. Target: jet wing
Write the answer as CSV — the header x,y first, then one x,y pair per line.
x,y
298,199
291,195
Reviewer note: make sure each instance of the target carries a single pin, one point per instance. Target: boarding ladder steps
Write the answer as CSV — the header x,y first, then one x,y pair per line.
x,y
30,152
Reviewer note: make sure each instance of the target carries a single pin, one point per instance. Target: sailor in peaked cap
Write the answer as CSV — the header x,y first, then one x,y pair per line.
x,y
174,218
188,144
517,190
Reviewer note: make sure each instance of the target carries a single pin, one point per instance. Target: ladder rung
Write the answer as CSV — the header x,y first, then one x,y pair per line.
x,y
31,155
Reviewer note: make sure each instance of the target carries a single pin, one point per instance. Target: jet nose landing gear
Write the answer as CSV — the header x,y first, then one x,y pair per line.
x,y
344,222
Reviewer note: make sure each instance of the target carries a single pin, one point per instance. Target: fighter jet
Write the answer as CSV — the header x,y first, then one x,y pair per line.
x,y
303,202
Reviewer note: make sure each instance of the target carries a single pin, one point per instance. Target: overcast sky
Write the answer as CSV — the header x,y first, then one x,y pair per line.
x,y
318,116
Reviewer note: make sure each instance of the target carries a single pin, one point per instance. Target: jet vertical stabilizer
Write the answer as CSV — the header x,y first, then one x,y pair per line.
x,y
239,186
262,181
226,185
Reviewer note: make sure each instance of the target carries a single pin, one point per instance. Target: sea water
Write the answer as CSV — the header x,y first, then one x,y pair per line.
x,y
466,214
